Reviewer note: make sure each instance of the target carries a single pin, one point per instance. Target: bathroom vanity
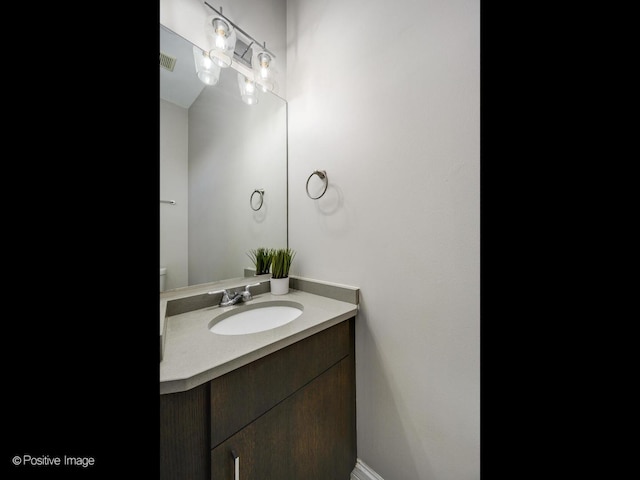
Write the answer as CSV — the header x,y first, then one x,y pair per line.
x,y
277,404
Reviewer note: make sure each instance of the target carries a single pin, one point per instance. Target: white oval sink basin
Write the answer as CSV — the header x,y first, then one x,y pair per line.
x,y
255,318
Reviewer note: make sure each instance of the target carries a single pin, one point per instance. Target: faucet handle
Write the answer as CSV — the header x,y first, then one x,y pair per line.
x,y
246,294
246,288
225,294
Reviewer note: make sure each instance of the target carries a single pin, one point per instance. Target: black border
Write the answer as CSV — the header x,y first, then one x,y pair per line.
x,y
81,244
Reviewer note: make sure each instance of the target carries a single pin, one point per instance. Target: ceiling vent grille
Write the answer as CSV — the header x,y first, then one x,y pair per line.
x,y
167,61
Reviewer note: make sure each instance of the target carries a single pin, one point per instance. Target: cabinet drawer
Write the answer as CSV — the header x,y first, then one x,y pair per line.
x,y
242,395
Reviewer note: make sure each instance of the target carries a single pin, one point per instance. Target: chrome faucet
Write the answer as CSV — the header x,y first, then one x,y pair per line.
x,y
231,298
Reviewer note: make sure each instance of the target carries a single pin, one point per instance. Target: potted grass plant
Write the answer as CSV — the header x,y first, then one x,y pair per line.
x,y
280,263
261,258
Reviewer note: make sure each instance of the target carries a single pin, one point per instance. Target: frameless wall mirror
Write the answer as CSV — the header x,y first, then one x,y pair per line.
x,y
216,151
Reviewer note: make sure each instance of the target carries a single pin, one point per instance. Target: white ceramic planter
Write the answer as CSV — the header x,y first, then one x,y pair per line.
x,y
279,286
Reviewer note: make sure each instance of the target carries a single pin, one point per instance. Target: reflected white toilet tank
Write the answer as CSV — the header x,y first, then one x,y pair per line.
x,y
163,276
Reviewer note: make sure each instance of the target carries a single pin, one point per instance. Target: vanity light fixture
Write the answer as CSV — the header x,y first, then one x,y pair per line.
x,y
208,71
232,46
248,90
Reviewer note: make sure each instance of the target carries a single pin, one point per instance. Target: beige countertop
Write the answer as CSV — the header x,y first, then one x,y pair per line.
x,y
192,355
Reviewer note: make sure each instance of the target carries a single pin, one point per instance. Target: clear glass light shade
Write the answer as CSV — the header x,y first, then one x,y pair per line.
x,y
248,90
207,70
222,39
264,71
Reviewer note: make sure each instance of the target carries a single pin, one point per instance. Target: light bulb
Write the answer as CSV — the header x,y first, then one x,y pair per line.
x,y
263,70
208,78
208,72
222,38
221,41
264,61
248,90
221,30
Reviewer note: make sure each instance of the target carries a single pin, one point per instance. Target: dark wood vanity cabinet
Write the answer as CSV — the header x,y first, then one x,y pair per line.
x,y
184,434
289,415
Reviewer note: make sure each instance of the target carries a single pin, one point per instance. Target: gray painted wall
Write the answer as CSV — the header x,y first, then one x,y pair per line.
x,y
386,98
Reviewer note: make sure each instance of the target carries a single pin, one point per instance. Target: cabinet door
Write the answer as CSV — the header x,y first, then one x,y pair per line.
x,y
310,435
184,435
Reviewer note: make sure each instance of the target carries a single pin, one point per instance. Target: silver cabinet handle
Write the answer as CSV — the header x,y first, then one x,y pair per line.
x,y
236,465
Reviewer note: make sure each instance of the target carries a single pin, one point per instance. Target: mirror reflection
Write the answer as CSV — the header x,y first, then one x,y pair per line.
x,y
215,153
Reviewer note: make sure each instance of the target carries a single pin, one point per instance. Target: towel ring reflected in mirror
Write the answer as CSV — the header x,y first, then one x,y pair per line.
x,y
322,174
259,191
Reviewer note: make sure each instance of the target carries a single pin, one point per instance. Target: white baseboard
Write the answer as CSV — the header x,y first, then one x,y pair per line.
x,y
362,471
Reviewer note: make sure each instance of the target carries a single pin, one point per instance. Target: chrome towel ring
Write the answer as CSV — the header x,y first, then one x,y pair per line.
x,y
322,174
260,192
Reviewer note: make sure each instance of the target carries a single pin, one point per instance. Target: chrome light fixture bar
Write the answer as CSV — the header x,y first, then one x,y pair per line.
x,y
263,45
